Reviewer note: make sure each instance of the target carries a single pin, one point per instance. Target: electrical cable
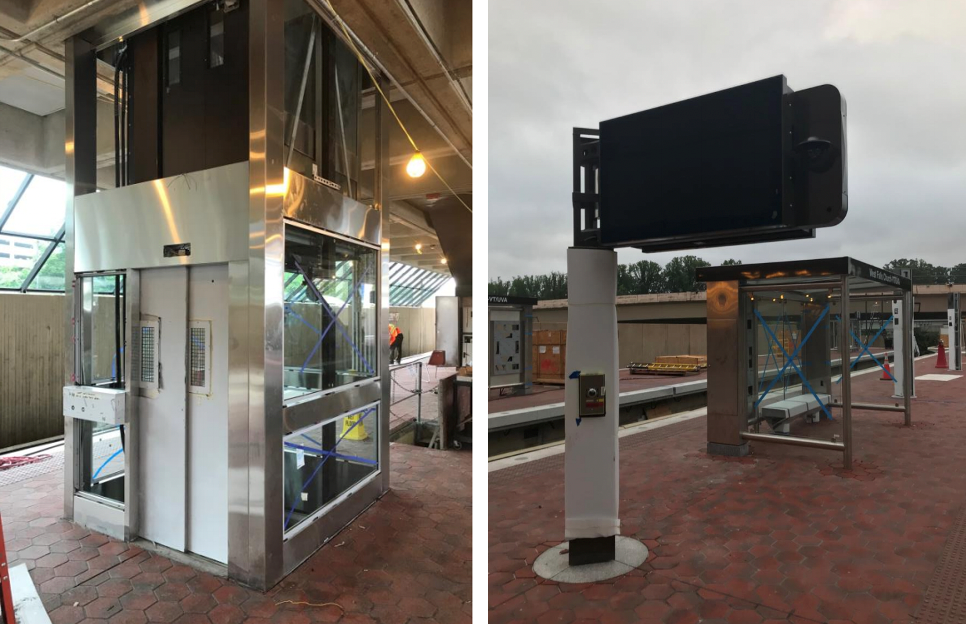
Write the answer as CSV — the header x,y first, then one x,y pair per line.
x,y
389,105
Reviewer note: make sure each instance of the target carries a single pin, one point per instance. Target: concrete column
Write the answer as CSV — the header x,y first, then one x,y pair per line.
x,y
591,459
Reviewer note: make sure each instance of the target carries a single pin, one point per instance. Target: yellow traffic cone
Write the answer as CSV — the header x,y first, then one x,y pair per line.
x,y
354,433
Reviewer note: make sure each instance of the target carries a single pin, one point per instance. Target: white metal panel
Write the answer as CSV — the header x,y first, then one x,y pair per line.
x,y
101,405
163,419
447,328
208,417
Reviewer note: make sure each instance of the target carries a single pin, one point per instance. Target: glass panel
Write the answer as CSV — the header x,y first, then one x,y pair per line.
x,y
104,470
173,59
10,181
344,121
323,461
300,82
102,358
17,257
40,212
51,275
330,312
216,37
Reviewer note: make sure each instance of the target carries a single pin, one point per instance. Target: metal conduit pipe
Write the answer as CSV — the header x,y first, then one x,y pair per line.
x,y
873,406
69,14
806,442
332,20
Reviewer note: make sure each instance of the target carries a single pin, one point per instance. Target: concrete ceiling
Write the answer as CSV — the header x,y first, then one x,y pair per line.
x,y
424,45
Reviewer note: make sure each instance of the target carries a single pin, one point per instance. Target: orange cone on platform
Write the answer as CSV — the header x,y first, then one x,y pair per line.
x,y
941,360
886,371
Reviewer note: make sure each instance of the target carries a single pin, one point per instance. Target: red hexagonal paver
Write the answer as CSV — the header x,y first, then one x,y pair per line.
x,y
786,535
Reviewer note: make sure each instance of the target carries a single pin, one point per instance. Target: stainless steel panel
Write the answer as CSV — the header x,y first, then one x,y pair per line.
x,y
133,19
448,329
727,373
238,348
128,227
318,408
381,202
302,545
132,447
845,355
309,202
266,247
908,367
806,442
80,174
99,516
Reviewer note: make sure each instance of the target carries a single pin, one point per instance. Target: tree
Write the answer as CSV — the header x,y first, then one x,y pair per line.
x,y
731,262
646,277
957,274
679,273
922,272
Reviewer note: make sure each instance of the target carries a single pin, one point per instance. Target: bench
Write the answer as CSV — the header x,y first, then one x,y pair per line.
x,y
780,413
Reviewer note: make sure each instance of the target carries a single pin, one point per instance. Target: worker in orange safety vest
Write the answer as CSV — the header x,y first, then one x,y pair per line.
x,y
395,344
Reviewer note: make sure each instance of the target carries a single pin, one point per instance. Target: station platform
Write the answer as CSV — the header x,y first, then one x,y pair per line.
x,y
405,559
783,535
545,402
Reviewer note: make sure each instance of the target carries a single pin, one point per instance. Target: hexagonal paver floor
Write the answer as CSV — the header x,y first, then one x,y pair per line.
x,y
785,535
406,559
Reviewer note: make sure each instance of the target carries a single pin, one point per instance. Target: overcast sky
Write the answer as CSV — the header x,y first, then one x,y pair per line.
x,y
556,64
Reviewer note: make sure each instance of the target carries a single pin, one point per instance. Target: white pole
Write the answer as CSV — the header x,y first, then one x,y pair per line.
x,y
955,352
899,361
591,458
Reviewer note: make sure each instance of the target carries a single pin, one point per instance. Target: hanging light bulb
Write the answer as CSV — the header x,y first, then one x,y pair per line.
x,y
444,260
419,248
416,166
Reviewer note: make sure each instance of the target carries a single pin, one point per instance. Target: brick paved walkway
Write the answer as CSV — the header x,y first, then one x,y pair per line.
x,y
405,560
784,535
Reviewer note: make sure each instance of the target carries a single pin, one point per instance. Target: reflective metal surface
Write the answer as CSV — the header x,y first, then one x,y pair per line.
x,y
80,175
782,439
265,285
132,362
909,375
380,199
136,18
727,405
239,559
299,547
98,514
128,227
313,203
844,353
329,405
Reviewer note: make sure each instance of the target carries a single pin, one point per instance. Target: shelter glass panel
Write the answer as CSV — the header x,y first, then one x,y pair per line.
x,y
330,312
324,461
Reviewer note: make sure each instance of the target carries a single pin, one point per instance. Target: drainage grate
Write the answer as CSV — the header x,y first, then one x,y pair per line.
x,y
945,599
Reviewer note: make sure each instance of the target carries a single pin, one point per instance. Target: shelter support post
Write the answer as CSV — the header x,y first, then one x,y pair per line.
x,y
845,354
728,344
908,356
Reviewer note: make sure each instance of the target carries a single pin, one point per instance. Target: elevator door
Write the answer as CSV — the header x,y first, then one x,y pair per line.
x,y
208,411
163,418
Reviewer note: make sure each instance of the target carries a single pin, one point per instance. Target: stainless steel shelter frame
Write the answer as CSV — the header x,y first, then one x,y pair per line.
x,y
234,215
825,289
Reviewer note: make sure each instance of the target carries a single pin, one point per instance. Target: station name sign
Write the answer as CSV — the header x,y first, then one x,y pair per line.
x,y
883,276
508,300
